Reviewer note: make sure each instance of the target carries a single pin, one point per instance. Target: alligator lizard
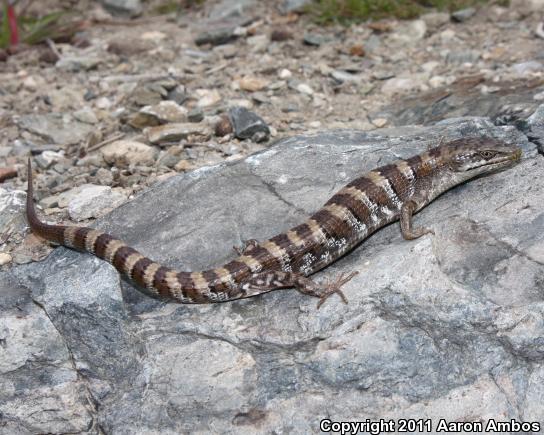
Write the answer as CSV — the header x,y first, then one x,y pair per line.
x,y
392,192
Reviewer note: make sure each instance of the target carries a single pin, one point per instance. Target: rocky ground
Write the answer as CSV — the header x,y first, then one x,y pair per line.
x,y
131,102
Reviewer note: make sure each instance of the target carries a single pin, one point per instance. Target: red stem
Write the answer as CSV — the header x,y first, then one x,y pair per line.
x,y
12,22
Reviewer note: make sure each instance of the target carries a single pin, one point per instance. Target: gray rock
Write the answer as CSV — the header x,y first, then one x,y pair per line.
x,y
178,94
535,124
131,8
314,39
248,124
148,94
36,364
94,201
56,127
464,98
217,35
12,204
434,20
128,152
343,76
166,111
230,9
528,67
175,132
463,56
168,159
78,63
48,158
294,5
457,315
87,115
539,31
195,115
104,177
463,14
409,32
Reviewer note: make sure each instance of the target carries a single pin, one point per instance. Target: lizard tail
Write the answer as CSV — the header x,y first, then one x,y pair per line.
x,y
161,281
54,233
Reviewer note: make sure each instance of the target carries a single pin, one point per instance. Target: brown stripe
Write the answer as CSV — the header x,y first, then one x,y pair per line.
x,y
90,240
398,182
332,224
113,246
251,262
295,238
186,283
280,254
138,271
196,293
101,244
79,238
357,207
375,193
188,287
214,282
223,274
69,236
284,242
226,279
149,275
130,262
343,212
120,258
199,281
265,258
419,169
236,268
160,282
174,285
406,171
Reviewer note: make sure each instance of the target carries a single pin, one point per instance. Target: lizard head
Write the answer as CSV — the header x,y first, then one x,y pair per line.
x,y
474,156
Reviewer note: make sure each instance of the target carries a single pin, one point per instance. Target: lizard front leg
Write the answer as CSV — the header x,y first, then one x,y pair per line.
x,y
271,280
406,214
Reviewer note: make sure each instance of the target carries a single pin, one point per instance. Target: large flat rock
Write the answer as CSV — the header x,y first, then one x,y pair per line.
x,y
446,326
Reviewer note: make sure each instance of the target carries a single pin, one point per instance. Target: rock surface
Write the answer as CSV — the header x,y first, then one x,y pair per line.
x,y
448,326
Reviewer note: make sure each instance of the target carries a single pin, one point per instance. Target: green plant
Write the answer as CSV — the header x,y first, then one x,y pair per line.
x,y
34,30
346,11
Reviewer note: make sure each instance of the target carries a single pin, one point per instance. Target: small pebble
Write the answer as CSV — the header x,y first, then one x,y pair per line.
x,y
285,74
5,258
303,88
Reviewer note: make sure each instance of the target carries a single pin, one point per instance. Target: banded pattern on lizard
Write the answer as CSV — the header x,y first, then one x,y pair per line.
x,y
379,197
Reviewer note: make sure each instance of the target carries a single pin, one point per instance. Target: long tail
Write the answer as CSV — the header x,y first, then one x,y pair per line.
x,y
161,281
54,233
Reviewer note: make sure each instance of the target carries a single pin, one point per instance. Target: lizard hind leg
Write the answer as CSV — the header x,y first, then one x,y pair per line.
x,y
273,280
246,247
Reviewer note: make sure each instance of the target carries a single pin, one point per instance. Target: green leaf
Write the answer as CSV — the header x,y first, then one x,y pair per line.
x,y
4,29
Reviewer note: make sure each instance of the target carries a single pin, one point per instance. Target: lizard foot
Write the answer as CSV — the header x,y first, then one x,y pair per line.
x,y
247,245
335,287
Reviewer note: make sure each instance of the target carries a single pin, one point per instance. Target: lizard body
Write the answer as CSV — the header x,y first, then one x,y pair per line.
x,y
392,192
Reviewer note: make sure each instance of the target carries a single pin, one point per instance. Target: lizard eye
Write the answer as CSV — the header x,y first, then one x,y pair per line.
x,y
487,154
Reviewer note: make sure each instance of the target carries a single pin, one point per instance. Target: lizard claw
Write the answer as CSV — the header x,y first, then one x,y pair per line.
x,y
335,287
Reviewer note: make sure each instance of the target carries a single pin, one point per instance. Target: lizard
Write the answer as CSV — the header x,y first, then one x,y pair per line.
x,y
389,193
